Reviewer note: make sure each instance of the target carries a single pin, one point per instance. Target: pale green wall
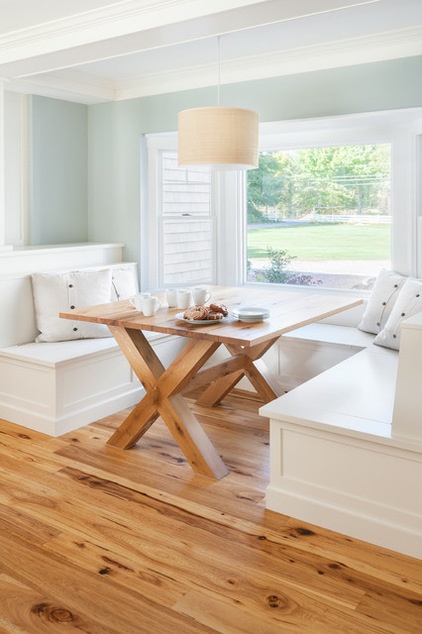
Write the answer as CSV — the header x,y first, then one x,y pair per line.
x,y
58,200
115,130
114,185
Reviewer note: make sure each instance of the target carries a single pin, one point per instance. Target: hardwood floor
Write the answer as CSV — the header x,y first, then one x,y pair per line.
x,y
96,539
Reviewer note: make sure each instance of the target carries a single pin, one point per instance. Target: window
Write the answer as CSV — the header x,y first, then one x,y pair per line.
x,y
331,212
320,216
181,220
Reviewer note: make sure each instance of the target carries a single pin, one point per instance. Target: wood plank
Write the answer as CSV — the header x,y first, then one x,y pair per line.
x,y
224,615
86,599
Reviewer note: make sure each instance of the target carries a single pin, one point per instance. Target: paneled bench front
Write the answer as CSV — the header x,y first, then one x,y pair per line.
x,y
56,387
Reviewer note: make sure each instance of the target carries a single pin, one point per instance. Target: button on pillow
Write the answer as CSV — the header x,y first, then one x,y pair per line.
x,y
60,292
408,303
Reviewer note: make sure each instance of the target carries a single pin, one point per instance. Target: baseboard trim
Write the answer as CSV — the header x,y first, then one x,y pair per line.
x,y
346,520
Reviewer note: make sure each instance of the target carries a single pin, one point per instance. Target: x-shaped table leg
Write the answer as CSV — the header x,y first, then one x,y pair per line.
x,y
163,399
265,382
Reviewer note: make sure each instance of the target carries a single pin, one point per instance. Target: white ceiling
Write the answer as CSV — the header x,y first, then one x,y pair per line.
x,y
96,50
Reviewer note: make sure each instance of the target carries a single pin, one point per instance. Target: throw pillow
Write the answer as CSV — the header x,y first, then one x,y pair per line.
x,y
124,282
408,303
381,301
57,292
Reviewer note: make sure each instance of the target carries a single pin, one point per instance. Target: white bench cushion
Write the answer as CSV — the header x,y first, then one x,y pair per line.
x,y
332,334
54,353
356,394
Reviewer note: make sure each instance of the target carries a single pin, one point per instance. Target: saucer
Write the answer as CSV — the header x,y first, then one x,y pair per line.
x,y
251,313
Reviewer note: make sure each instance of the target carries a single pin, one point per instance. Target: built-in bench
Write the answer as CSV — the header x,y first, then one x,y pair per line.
x,y
56,387
346,445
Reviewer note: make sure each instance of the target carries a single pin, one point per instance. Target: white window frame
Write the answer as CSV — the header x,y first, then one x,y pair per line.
x,y
403,130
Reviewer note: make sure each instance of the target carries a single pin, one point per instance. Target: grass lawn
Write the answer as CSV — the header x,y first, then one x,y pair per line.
x,y
323,242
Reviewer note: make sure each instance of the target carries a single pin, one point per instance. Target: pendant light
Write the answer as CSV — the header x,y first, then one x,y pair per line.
x,y
218,137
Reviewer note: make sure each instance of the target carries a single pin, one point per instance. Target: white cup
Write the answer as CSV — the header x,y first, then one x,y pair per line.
x,y
150,305
136,300
184,298
200,296
171,296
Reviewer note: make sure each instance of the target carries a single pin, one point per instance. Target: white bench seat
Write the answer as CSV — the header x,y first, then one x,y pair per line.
x,y
335,460
54,354
319,332
357,394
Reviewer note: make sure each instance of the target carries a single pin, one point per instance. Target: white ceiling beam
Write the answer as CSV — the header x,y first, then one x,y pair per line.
x,y
139,26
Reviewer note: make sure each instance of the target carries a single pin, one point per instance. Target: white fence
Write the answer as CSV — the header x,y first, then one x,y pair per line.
x,y
363,219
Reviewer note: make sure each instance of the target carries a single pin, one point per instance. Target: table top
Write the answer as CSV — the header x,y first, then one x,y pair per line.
x,y
288,310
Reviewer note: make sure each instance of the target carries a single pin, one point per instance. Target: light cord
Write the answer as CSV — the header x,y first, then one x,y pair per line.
x,y
219,70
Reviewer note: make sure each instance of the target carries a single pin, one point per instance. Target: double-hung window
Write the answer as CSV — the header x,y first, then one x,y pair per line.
x,y
180,225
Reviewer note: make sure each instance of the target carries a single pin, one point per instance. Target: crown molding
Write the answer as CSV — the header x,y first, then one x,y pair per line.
x,y
86,89
79,86
363,50
112,21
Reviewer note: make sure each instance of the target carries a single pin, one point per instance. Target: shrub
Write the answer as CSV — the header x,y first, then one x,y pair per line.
x,y
278,272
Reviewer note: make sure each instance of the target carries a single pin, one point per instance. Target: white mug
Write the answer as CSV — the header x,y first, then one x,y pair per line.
x,y
200,296
171,295
136,300
150,305
184,298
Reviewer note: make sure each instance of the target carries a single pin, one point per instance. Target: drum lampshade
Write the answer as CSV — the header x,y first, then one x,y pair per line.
x,y
219,138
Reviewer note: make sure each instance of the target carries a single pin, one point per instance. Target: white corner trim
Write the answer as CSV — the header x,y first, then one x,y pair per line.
x,y
83,88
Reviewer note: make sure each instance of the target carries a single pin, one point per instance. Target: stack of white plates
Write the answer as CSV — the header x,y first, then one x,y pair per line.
x,y
251,313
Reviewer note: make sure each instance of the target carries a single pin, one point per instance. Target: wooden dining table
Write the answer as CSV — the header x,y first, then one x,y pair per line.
x,y
245,342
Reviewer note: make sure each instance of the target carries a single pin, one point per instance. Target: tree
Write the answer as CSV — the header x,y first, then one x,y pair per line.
x,y
294,183
264,186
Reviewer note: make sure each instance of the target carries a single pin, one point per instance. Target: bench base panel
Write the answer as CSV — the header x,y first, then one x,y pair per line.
x,y
355,487
55,388
56,399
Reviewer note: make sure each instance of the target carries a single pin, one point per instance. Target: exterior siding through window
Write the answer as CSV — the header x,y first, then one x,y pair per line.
x,y
186,223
